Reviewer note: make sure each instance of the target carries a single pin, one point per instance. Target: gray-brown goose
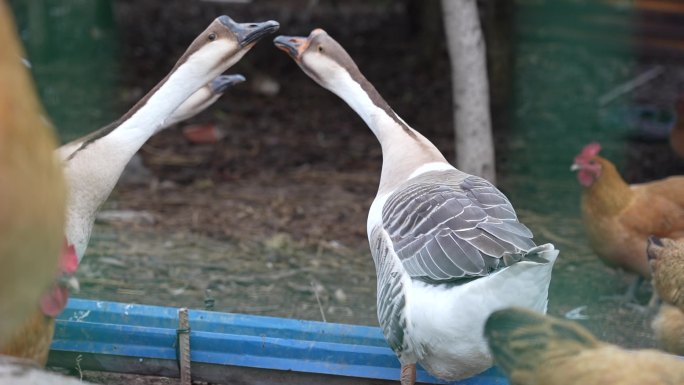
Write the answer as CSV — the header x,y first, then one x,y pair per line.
x,y
93,169
447,246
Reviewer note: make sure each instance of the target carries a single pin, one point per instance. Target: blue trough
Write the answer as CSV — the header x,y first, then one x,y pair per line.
x,y
228,348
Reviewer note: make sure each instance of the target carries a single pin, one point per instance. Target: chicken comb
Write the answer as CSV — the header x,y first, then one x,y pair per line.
x,y
69,260
589,151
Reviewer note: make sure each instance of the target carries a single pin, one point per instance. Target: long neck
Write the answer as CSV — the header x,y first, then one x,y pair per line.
x,y
403,149
609,194
152,114
93,170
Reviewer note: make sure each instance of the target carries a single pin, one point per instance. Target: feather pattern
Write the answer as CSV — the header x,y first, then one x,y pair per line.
x,y
447,225
391,291
436,234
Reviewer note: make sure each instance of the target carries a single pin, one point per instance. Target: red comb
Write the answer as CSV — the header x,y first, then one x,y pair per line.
x,y
69,260
590,150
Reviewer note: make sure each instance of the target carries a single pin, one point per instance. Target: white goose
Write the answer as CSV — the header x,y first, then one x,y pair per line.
x,y
447,246
93,169
196,103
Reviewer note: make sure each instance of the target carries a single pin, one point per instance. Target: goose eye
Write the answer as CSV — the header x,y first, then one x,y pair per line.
x,y
320,48
212,36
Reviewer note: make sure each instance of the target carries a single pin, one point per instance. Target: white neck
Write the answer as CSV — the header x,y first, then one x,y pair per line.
x,y
94,170
196,103
403,151
135,131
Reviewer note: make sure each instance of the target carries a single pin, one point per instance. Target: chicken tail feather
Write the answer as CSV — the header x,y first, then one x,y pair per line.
x,y
517,336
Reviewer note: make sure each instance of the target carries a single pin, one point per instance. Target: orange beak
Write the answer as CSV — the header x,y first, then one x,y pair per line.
x,y
293,45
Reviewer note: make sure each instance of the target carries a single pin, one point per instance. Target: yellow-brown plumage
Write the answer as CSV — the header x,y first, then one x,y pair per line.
x,y
32,340
666,258
32,190
619,218
534,349
668,326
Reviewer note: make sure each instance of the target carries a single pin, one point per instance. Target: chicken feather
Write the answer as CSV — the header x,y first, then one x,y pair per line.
x,y
534,349
666,258
619,218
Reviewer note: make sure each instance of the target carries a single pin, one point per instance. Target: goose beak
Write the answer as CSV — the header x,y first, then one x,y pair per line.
x,y
248,33
221,83
293,45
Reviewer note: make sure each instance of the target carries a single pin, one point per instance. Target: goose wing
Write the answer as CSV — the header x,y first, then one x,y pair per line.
x,y
447,225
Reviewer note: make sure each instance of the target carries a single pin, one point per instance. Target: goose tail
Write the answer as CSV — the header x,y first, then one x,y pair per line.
x,y
545,253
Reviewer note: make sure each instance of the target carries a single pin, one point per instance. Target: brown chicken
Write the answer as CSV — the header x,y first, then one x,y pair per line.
x,y
32,190
666,258
32,340
534,349
619,218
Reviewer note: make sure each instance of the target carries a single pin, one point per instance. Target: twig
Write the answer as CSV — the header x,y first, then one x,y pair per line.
x,y
320,307
250,279
125,291
630,85
78,366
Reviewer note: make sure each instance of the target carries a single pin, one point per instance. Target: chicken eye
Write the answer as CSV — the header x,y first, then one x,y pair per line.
x,y
212,36
320,49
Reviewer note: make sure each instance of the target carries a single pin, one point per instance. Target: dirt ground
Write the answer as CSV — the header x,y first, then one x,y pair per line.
x,y
271,219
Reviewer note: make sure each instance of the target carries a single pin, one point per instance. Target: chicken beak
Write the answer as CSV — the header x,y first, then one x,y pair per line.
x,y
574,167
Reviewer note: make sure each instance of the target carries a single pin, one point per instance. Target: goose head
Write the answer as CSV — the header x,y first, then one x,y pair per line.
x,y
202,99
223,44
320,57
219,85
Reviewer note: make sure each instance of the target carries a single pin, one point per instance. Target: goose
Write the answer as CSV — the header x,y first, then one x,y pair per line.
x,y
447,246
94,167
196,103
32,188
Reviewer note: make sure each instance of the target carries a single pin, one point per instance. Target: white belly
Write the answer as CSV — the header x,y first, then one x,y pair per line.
x,y
446,325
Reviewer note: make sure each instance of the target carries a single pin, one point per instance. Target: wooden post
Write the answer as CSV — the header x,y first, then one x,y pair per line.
x,y
473,131
184,346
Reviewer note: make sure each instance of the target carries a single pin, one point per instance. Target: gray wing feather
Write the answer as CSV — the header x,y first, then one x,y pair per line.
x,y
512,235
447,225
391,298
